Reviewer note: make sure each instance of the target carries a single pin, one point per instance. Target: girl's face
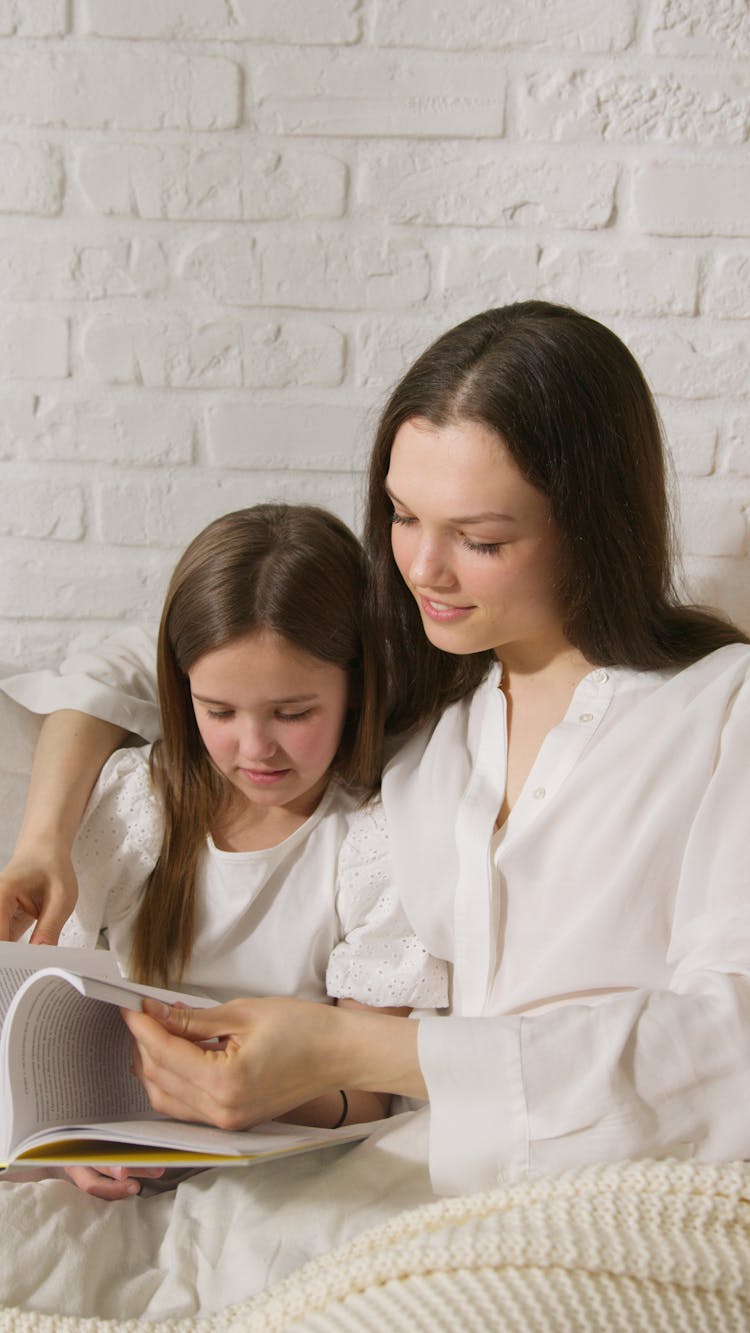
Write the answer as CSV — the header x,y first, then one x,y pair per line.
x,y
474,542
271,718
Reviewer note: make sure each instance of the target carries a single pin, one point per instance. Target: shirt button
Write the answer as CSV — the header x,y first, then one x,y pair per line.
x,y
539,793
601,676
586,717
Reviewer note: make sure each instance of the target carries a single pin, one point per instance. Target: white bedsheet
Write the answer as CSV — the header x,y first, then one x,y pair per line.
x,y
220,1237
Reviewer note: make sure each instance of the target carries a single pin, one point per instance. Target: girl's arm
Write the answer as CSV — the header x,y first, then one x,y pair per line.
x,y
39,884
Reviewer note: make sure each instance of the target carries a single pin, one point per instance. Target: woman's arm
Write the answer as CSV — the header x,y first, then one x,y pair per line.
x,y
346,1106
39,883
275,1054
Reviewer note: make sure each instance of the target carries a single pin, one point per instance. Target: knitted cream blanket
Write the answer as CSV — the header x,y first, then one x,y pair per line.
x,y
654,1246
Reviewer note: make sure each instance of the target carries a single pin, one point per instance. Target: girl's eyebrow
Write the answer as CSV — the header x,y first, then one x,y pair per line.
x,y
485,516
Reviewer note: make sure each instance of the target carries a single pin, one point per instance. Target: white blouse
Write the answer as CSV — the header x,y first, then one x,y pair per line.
x,y
315,916
600,942
611,911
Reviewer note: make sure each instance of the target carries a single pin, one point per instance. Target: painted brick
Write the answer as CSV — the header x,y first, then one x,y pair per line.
x,y
692,362
171,352
16,411
36,508
334,21
50,266
136,513
691,440
736,446
619,280
368,92
712,521
567,25
727,286
222,183
485,187
315,437
33,347
31,179
694,27
80,582
345,271
292,353
224,267
479,274
162,352
42,18
385,348
693,198
114,89
138,432
586,105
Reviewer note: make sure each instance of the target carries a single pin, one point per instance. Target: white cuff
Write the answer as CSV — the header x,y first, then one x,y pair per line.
x,y
478,1121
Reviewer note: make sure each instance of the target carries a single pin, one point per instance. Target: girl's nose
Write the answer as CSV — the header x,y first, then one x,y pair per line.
x,y
256,741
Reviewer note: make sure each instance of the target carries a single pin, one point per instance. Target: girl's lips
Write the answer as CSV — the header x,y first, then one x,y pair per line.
x,y
441,610
264,777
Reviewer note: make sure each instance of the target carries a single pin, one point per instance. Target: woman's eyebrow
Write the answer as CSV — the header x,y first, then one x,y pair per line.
x,y
485,516
289,699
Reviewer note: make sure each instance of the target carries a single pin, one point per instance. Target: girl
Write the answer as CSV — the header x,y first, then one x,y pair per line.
x,y
243,850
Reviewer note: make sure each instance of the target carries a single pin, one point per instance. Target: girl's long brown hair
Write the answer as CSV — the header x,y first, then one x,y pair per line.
x,y
293,569
573,408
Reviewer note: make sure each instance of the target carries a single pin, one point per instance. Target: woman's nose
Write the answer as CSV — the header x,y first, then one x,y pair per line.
x,y
428,568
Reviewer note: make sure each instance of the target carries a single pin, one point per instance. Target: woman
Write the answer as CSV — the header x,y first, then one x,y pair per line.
x,y
567,811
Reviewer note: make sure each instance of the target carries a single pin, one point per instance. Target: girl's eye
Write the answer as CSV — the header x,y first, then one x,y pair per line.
x,y
401,518
221,713
485,548
294,717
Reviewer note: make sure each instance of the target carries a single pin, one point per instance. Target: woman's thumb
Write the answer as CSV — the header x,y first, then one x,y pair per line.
x,y
181,1021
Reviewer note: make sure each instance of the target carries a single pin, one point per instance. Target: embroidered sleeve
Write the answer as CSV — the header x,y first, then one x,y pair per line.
x,y
379,961
117,846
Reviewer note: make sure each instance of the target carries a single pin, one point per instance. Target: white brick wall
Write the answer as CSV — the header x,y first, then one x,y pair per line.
x,y
227,225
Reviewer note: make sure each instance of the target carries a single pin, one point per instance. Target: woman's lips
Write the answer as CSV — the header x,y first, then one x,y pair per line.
x,y
442,610
264,777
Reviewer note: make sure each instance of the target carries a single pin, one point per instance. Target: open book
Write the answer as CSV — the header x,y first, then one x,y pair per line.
x,y
67,1093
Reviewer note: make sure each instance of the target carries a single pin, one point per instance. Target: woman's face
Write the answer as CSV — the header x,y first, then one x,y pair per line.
x,y
474,541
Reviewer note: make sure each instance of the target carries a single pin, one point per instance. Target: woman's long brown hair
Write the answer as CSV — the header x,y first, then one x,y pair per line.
x,y
573,408
295,570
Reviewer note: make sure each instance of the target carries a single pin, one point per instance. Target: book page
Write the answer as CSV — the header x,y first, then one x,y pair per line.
x,y
20,961
69,1061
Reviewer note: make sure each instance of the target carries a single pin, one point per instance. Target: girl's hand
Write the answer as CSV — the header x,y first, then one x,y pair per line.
x,y
111,1182
39,887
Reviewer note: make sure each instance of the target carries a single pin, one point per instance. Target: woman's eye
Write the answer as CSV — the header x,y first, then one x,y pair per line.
x,y
401,518
294,717
485,548
221,713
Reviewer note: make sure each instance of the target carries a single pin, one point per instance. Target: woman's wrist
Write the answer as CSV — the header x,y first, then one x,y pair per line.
x,y
373,1052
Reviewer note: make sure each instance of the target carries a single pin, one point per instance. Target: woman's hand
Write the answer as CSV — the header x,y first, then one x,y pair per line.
x,y
37,887
267,1056
111,1182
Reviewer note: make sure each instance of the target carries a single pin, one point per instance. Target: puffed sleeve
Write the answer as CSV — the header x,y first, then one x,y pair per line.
x,y
379,961
115,682
643,1073
115,851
